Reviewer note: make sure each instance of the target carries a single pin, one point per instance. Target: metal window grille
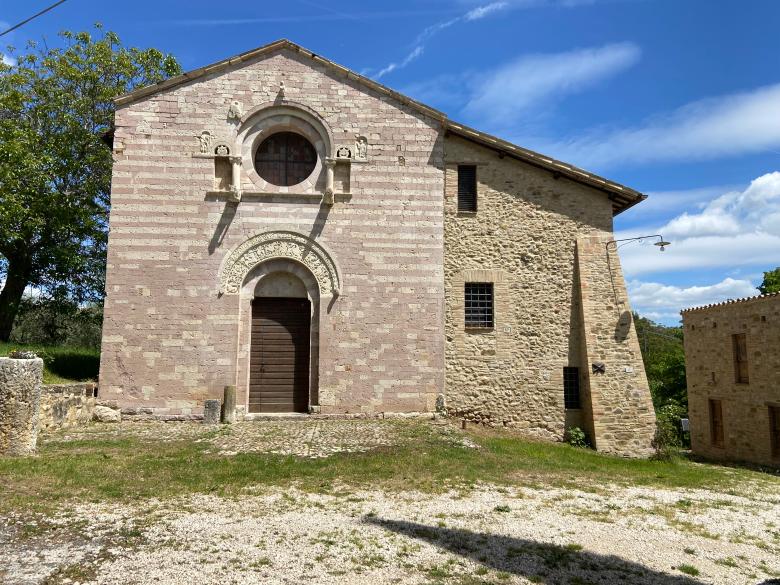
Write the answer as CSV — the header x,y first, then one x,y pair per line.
x,y
739,341
571,388
285,159
479,304
467,188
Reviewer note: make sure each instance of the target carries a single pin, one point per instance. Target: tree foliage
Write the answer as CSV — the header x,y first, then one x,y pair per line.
x,y
771,282
664,358
56,108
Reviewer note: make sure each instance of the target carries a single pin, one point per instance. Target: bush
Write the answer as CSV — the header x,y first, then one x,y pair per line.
x,y
60,323
669,436
576,437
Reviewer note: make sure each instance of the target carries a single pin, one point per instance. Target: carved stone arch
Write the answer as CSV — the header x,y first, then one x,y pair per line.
x,y
303,111
275,244
270,118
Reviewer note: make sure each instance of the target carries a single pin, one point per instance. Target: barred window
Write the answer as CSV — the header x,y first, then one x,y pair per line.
x,y
467,188
285,159
479,304
571,388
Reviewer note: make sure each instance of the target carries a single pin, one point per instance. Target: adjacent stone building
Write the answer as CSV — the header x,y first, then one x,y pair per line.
x,y
328,245
732,364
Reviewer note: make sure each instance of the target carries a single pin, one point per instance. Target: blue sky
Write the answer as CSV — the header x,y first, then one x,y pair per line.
x,y
679,99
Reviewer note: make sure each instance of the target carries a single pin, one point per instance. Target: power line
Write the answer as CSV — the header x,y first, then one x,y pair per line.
x,y
44,11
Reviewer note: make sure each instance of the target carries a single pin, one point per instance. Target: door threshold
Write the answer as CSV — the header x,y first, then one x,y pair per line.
x,y
275,415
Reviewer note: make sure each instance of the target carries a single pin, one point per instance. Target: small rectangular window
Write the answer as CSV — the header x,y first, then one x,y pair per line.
x,y
571,388
774,430
479,304
467,188
716,422
739,342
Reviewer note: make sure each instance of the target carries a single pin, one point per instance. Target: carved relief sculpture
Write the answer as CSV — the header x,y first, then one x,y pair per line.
x,y
222,150
143,127
205,141
361,148
235,111
279,244
344,152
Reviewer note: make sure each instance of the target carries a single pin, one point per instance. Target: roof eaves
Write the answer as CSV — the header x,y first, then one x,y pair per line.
x,y
624,197
731,302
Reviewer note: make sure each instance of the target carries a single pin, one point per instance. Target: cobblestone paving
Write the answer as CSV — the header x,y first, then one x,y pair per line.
x,y
313,438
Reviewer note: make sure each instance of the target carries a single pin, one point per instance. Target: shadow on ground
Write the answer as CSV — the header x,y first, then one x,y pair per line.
x,y
540,562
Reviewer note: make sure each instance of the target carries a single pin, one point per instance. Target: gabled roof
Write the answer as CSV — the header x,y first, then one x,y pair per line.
x,y
622,197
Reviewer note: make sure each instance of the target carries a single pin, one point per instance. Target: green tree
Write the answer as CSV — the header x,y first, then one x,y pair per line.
x,y
664,358
771,282
56,114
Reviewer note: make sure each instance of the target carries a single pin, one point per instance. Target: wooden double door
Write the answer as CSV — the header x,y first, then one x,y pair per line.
x,y
279,360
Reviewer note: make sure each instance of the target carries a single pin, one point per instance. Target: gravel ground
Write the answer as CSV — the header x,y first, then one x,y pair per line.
x,y
486,534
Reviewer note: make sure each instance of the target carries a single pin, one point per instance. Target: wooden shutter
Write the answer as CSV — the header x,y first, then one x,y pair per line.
x,y
739,342
716,422
467,188
774,429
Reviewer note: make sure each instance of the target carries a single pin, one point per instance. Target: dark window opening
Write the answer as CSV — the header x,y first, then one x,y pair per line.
x,y
479,304
467,188
716,422
285,159
571,388
774,430
739,342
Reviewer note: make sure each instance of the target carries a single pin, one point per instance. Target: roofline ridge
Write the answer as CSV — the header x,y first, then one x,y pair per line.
x,y
732,302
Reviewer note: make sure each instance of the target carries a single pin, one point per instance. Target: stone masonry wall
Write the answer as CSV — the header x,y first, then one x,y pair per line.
x,y
522,238
170,338
709,369
66,405
623,418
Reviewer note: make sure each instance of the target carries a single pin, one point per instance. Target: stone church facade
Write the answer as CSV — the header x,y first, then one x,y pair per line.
x,y
327,245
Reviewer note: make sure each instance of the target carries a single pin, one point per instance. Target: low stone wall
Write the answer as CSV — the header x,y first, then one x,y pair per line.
x,y
66,405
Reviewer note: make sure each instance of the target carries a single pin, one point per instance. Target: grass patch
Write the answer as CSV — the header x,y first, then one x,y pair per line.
x,y
132,468
689,570
62,364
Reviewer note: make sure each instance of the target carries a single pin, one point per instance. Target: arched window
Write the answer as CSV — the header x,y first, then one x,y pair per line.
x,y
285,159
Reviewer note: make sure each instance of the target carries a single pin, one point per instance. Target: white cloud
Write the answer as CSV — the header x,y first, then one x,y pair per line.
x,y
477,13
483,11
5,58
675,201
416,52
663,302
504,93
736,124
735,229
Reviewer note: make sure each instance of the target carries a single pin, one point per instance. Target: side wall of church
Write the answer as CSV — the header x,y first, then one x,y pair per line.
x,y
523,239
170,338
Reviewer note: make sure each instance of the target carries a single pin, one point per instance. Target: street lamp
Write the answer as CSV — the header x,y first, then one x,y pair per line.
x,y
661,243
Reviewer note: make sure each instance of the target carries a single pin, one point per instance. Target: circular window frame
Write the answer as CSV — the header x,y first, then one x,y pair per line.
x,y
287,161
273,120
